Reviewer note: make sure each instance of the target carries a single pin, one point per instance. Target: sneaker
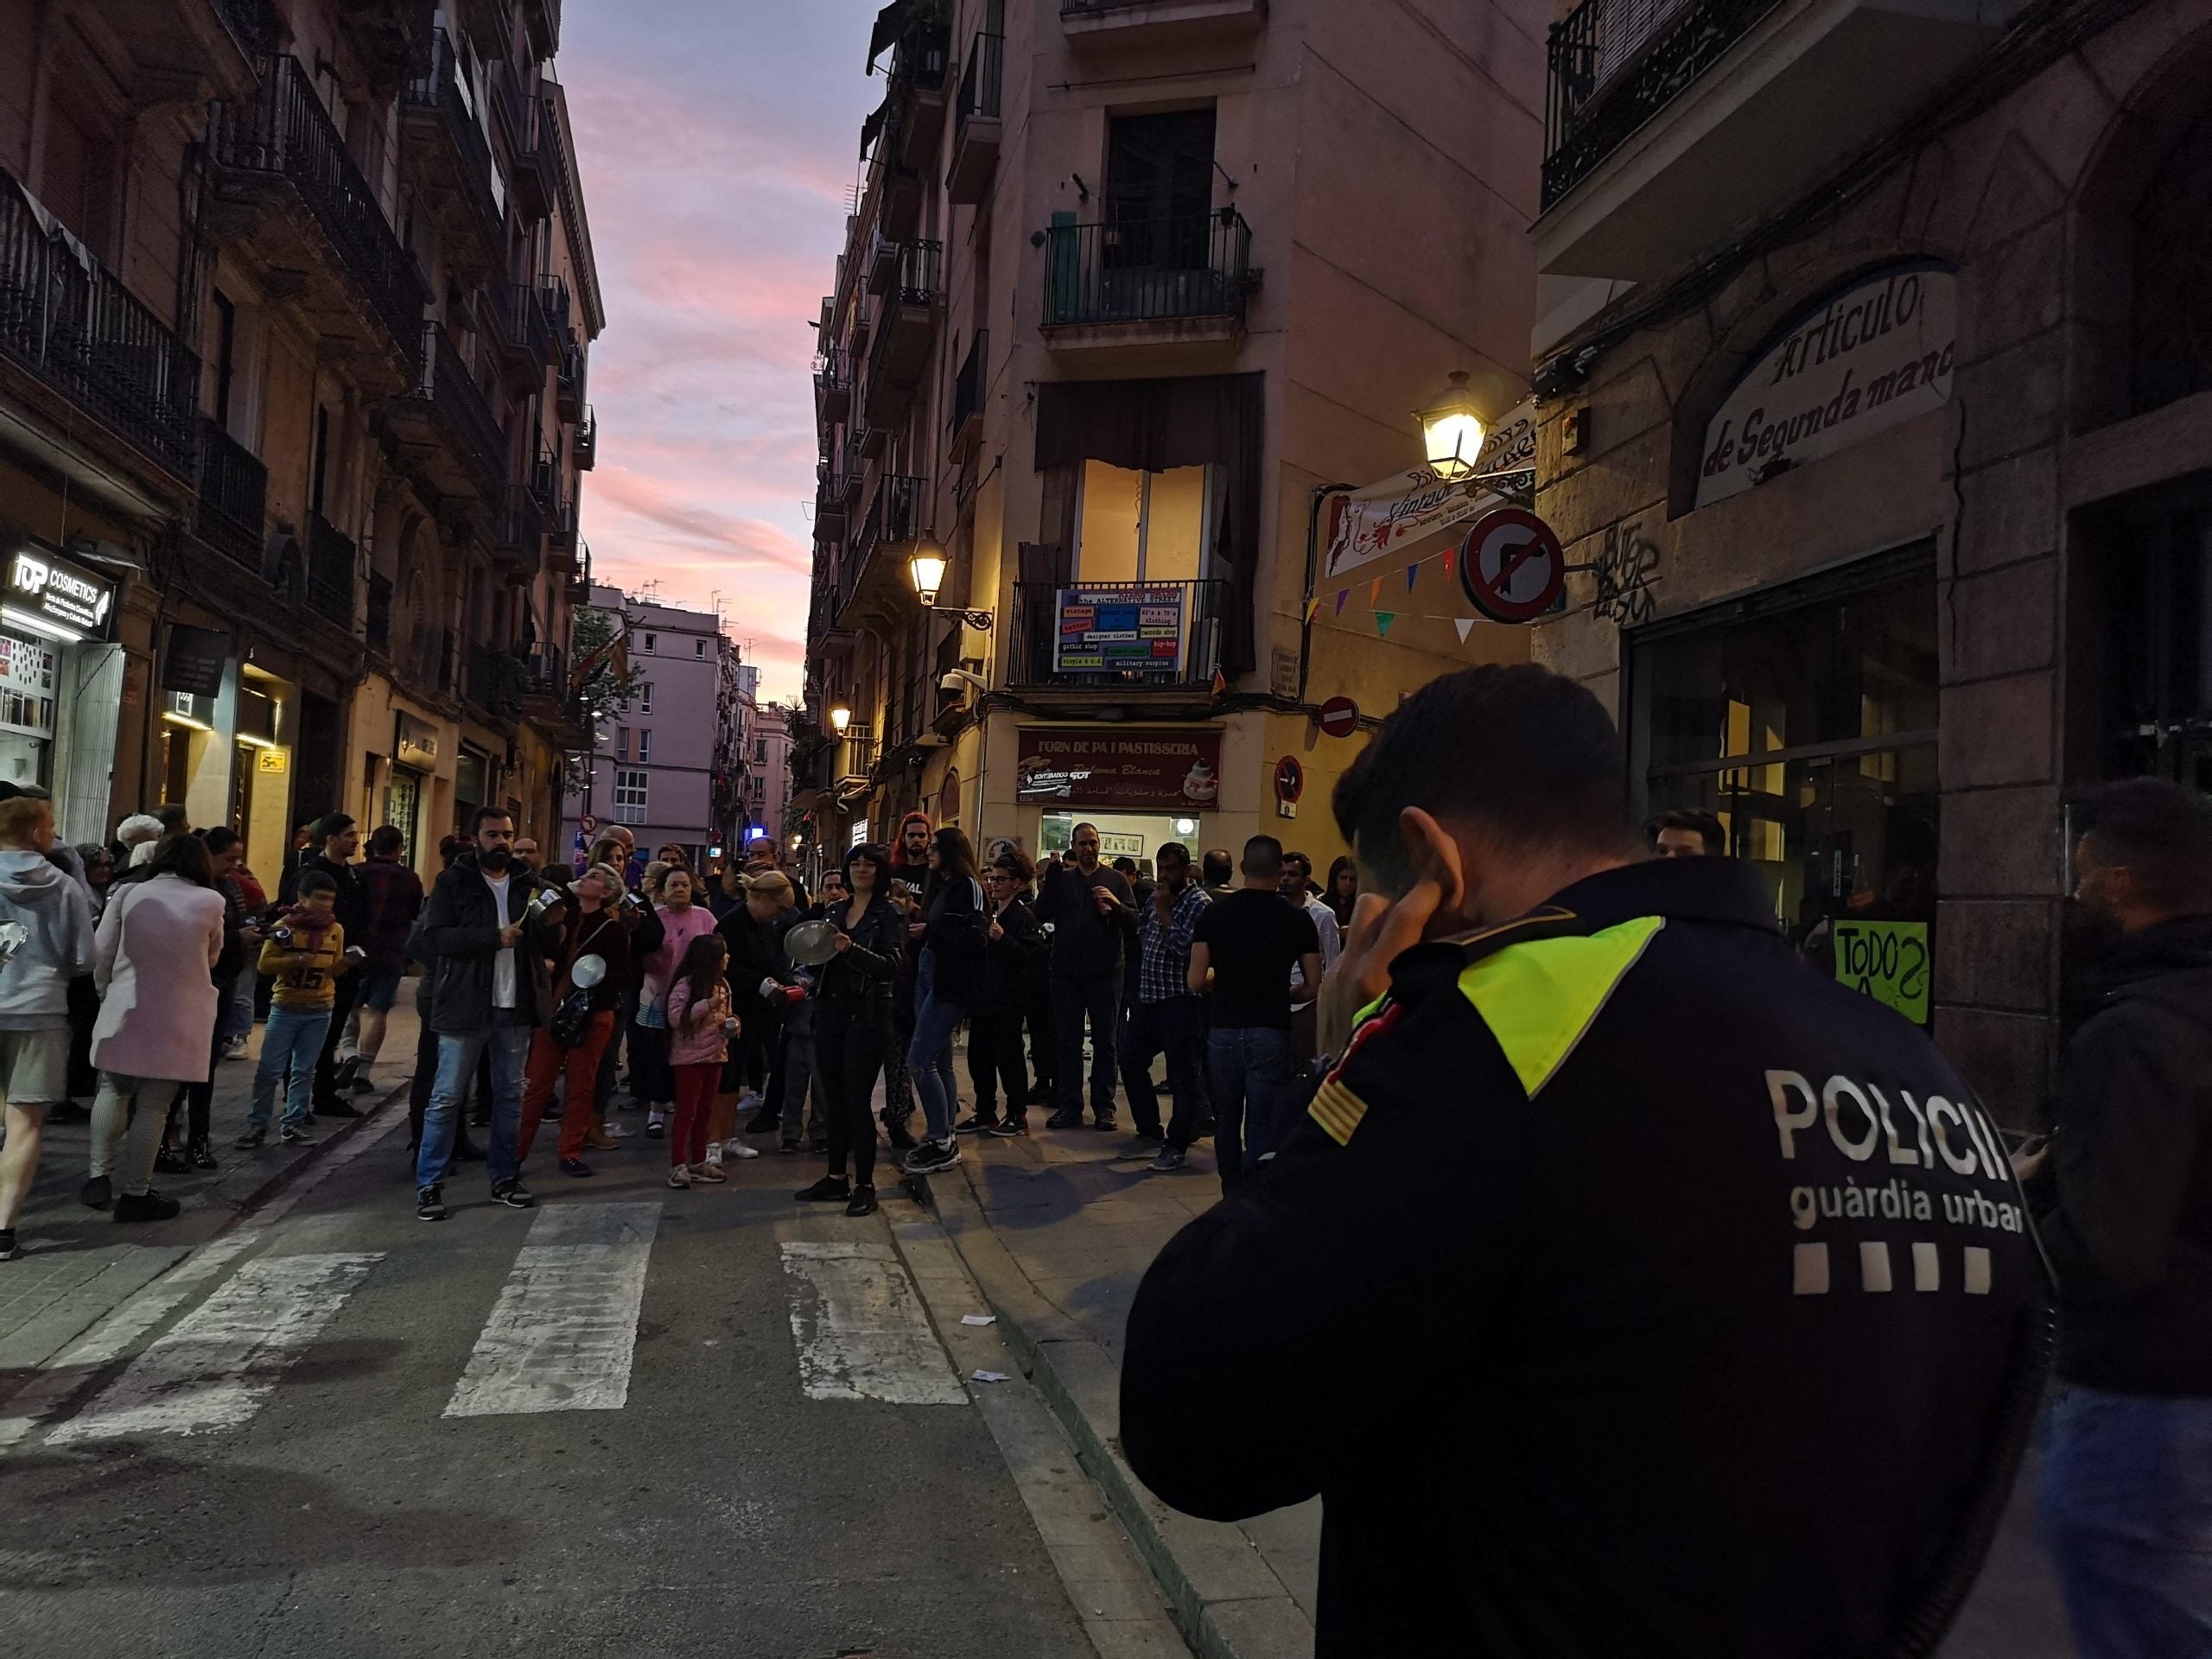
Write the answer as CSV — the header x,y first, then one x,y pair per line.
x,y
8,1248
1064,1120
863,1202
336,1107
977,1124
169,1161
99,1193
514,1194
431,1202
235,1049
1170,1158
1106,1125
734,1147
292,1137
748,1101
251,1141
1009,1128
575,1167
656,1126
145,1206
678,1176
933,1155
830,1189
710,1173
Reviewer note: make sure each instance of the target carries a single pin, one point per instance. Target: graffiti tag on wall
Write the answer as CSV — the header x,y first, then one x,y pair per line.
x,y
1624,568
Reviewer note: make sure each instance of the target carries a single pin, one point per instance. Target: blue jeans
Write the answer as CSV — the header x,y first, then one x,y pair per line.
x,y
1098,999
458,1052
1173,1025
292,1039
1249,1068
2126,1503
929,1056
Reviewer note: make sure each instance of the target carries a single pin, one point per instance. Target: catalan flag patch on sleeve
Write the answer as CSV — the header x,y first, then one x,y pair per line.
x,y
1338,1111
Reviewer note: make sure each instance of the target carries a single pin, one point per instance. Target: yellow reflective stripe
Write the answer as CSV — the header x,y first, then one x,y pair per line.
x,y
1538,998
1338,1111
1369,1011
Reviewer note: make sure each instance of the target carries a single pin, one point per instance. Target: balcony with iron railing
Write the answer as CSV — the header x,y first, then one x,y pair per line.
x,y
441,127
569,385
521,333
69,320
976,127
913,290
1147,280
518,530
230,514
283,144
447,424
895,516
1111,24
586,441
833,387
545,476
918,73
1178,644
968,399
562,546
330,573
829,499
1648,161
494,682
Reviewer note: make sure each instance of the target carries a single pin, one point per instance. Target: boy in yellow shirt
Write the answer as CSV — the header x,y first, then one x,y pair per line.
x,y
306,952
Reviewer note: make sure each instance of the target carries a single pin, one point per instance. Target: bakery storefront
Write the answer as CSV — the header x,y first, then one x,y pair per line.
x,y
60,683
1141,786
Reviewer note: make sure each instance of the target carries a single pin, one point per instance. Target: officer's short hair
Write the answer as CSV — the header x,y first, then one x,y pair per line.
x,y
2160,832
1529,756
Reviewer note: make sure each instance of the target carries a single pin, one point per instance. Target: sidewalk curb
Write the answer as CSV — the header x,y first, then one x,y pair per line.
x,y
279,1180
1222,1594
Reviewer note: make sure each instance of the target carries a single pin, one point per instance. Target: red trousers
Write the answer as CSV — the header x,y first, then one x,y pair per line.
x,y
695,1098
548,1059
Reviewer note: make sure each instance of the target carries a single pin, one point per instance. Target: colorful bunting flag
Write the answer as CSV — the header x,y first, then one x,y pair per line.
x,y
1343,593
1383,621
1374,593
1464,624
1412,570
1313,607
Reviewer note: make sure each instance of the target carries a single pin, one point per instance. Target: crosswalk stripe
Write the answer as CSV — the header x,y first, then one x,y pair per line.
x,y
220,1361
860,1329
562,1335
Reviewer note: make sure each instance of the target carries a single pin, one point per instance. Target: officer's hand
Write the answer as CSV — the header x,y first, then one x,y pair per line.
x,y
1381,930
2029,1158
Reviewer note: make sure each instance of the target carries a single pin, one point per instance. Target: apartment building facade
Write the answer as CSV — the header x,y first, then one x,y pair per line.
x,y
1882,426
670,765
295,300
768,774
1131,292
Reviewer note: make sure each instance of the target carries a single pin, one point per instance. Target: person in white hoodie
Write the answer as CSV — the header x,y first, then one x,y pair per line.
x,y
55,947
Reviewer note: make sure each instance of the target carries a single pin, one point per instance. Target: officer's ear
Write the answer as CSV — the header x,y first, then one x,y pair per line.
x,y
1433,854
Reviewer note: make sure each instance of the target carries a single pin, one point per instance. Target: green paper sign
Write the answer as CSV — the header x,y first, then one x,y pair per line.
x,y
1888,960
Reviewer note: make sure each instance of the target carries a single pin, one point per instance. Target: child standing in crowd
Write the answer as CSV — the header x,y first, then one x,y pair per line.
x,y
700,1026
306,953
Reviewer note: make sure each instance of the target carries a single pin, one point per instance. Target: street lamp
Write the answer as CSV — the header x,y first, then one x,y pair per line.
x,y
1451,429
925,564
840,717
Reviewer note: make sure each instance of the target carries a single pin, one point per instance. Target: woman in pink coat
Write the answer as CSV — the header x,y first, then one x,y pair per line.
x,y
157,942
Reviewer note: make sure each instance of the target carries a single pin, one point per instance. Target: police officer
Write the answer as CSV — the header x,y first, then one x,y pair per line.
x,y
1723,1336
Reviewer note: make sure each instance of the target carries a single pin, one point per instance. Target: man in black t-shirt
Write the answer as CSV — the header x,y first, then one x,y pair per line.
x,y
1250,941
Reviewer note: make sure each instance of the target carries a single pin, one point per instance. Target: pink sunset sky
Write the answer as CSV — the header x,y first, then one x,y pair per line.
x,y
718,143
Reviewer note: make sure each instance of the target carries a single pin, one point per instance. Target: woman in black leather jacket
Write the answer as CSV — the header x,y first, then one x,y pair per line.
x,y
852,1030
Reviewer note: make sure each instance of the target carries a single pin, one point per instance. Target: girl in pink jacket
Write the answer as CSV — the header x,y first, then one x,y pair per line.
x,y
700,1026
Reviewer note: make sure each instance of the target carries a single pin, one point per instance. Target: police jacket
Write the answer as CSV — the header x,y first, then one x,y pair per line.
x,y
2130,1172
1721,1334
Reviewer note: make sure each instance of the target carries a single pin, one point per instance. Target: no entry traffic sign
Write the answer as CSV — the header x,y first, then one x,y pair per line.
x,y
1339,717
1512,566
1290,780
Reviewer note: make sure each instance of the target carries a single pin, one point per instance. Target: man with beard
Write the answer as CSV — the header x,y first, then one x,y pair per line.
x,y
2124,1193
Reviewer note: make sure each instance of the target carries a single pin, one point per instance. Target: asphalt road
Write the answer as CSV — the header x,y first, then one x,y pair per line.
x,y
609,1426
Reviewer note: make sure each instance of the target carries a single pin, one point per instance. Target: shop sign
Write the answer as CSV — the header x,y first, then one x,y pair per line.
x,y
196,660
45,587
1129,628
1887,961
1164,771
417,743
1865,360
1379,520
272,762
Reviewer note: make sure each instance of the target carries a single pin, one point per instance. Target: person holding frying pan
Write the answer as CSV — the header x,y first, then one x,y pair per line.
x,y
852,1029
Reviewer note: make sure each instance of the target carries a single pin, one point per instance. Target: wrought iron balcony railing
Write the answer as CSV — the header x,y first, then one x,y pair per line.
x,y
1614,64
1187,615
587,441
439,90
69,319
233,497
285,132
330,572
451,392
1148,270
981,79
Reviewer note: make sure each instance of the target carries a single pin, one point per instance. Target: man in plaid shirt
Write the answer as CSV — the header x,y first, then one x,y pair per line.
x,y
1166,1016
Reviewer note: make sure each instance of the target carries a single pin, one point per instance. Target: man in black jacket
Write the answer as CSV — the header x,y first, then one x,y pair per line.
x,y
1093,914
488,952
1626,1290
332,843
2124,1195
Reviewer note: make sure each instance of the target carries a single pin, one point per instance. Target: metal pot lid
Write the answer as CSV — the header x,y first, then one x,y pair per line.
x,y
812,943
589,972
